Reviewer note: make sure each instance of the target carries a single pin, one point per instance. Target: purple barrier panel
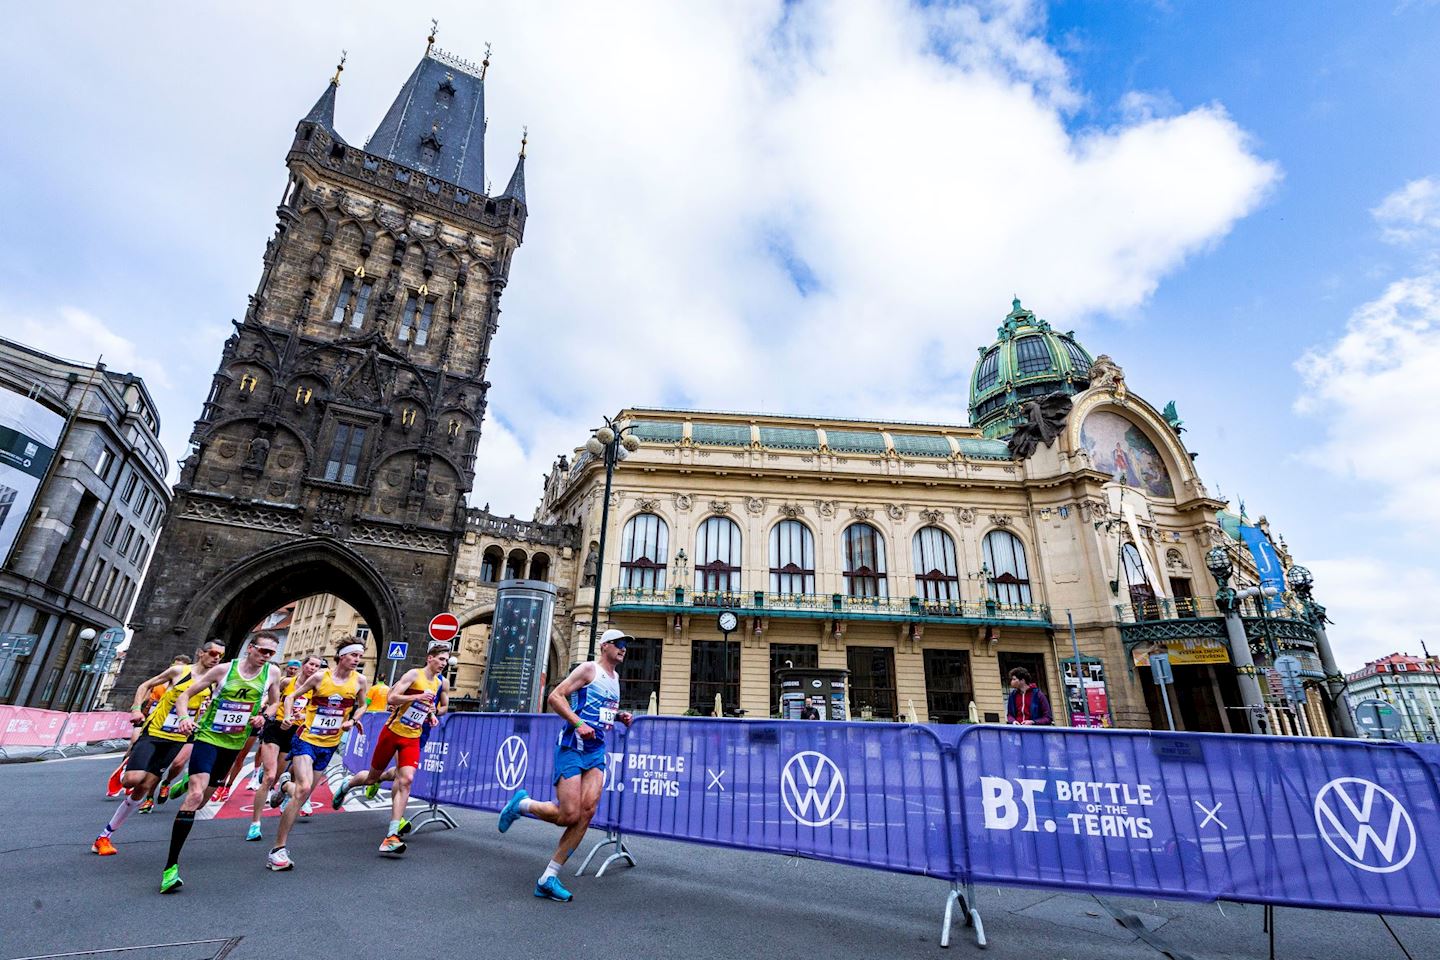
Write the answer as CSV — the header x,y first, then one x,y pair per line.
x,y
360,742
478,760
868,794
1333,824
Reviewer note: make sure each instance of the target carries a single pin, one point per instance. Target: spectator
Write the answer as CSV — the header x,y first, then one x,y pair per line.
x,y
1027,703
809,712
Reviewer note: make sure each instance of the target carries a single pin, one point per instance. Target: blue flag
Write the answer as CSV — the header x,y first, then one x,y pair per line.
x,y
1267,564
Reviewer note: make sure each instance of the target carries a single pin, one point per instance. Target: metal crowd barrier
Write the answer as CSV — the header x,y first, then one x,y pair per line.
x,y
1278,821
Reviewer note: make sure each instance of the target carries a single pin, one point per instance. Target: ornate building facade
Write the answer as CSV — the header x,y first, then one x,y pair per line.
x,y
337,444
927,560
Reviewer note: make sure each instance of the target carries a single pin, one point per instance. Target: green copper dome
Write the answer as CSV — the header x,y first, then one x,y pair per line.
x,y
1027,360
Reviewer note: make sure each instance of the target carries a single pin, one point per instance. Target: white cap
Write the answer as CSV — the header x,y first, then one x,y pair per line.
x,y
610,636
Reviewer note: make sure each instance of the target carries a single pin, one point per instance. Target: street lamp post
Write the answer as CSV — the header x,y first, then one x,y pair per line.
x,y
611,443
1217,561
1303,584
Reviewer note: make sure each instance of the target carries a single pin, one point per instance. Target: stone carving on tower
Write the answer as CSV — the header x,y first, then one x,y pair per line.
x,y
338,440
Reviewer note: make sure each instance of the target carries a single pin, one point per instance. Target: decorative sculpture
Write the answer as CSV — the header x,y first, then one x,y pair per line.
x,y
1173,418
1044,419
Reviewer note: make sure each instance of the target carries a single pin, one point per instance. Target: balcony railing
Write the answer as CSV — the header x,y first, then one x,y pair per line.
x,y
831,605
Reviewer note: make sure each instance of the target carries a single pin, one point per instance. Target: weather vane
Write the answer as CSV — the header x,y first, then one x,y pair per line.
x,y
340,67
434,29
485,64
524,139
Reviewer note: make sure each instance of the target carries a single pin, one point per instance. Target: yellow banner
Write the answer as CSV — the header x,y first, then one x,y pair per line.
x,y
1196,654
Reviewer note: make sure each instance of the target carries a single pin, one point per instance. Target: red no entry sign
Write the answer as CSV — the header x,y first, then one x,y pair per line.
x,y
445,627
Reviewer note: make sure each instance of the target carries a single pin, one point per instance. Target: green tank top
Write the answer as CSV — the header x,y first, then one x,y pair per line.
x,y
226,722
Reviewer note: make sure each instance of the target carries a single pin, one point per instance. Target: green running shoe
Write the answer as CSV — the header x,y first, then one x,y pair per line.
x,y
404,828
371,791
171,881
177,788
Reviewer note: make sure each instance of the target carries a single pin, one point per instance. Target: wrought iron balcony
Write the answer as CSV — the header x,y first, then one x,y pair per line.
x,y
1271,633
834,606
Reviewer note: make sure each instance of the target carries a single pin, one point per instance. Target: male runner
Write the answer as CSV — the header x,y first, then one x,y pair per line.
x,y
416,702
277,736
160,740
588,699
337,701
244,688
143,704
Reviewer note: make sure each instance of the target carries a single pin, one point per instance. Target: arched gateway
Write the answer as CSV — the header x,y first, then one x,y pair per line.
x,y
337,444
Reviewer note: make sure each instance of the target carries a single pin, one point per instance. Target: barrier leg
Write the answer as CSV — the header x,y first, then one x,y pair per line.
x,y
950,899
972,915
433,814
622,852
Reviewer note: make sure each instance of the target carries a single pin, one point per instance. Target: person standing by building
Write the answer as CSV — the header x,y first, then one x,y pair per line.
x,y
1027,704
588,700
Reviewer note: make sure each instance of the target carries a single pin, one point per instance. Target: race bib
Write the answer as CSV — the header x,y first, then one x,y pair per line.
x,y
607,717
231,716
327,720
171,723
415,716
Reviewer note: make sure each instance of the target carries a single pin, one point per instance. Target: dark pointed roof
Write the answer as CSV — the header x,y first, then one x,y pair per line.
x,y
323,113
437,122
515,189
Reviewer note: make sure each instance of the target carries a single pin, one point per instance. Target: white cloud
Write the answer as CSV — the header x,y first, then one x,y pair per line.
x,y
1412,213
74,334
1374,605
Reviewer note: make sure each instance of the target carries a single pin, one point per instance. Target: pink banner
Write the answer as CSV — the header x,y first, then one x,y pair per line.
x,y
90,727
26,727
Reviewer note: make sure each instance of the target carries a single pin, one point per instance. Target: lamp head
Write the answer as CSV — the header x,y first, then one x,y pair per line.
x,y
1217,561
87,634
605,435
595,447
630,442
1299,578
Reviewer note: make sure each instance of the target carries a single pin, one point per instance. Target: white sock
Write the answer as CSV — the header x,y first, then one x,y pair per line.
x,y
127,806
394,827
524,805
551,871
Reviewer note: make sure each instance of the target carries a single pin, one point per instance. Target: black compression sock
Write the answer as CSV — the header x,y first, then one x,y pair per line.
x,y
179,833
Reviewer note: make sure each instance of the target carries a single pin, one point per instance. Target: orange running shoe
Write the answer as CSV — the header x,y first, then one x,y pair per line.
x,y
221,795
104,847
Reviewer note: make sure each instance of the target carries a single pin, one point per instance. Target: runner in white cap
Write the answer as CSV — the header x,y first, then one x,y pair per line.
x,y
589,699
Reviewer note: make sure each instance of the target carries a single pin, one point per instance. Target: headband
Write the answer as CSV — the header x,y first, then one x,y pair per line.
x,y
351,648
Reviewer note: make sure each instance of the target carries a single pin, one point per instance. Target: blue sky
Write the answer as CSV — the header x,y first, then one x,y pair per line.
x,y
820,207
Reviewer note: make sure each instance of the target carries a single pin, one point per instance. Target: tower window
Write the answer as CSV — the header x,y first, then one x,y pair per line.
x,y
1078,359
415,320
989,371
354,300
344,459
1031,355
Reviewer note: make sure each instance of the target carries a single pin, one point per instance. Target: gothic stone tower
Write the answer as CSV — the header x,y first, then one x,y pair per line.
x,y
337,444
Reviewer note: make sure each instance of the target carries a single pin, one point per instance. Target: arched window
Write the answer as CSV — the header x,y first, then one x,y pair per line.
x,y
1009,573
1142,592
644,552
792,558
490,564
864,561
989,373
717,556
540,567
936,573
515,565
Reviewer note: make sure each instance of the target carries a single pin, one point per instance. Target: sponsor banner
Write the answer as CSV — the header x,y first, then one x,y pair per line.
x,y
101,725
1267,564
1318,823
870,794
28,727
1196,653
29,434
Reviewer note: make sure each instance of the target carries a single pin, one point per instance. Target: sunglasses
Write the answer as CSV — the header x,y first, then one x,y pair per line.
x,y
266,651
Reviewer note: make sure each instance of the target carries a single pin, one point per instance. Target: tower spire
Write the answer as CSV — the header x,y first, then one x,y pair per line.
x,y
323,113
515,189
339,68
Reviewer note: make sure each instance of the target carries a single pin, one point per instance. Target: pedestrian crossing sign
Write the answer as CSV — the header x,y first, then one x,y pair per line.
x,y
397,650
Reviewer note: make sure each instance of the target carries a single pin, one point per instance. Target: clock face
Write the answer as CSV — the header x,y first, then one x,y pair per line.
x,y
727,622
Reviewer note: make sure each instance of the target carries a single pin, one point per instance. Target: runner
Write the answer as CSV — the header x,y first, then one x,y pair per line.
x,y
337,700
244,688
277,736
143,704
160,741
588,699
420,705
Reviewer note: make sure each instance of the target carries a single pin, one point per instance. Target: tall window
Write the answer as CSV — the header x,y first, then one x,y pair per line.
x,y
865,561
644,551
1142,593
1009,573
1031,355
937,576
345,450
129,490
989,373
490,565
717,556
872,681
415,321
113,530
948,688
103,462
354,300
792,558
642,673
714,668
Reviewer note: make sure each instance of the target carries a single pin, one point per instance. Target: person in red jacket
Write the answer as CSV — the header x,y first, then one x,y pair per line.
x,y
1027,703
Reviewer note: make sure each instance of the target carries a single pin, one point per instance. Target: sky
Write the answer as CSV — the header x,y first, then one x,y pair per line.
x,y
822,208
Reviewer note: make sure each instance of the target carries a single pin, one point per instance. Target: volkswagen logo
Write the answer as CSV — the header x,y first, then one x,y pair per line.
x,y
812,788
1355,815
510,762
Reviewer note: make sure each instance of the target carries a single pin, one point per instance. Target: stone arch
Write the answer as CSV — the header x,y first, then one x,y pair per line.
x,y
515,564
1145,418
231,604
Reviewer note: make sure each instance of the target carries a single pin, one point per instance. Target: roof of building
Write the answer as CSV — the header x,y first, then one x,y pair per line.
x,y
1026,361
515,189
323,113
437,122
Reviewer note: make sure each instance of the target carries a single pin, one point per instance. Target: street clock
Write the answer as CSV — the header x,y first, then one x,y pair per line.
x,y
727,622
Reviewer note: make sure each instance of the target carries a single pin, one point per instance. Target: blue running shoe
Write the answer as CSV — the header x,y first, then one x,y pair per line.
x,y
508,815
551,890
253,833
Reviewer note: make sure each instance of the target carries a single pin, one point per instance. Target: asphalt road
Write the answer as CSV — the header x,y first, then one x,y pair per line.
x,y
467,893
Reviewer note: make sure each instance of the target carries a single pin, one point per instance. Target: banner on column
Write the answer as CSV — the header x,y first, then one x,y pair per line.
x,y
1317,823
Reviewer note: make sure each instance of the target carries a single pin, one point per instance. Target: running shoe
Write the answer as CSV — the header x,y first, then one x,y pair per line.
x,y
254,832
392,847
277,792
170,880
509,814
284,802
308,809
551,890
147,806
221,795
254,780
372,790
404,828
279,860
104,847
162,793
338,800
178,785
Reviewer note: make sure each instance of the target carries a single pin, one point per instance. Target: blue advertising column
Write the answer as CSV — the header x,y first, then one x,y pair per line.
x,y
519,647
